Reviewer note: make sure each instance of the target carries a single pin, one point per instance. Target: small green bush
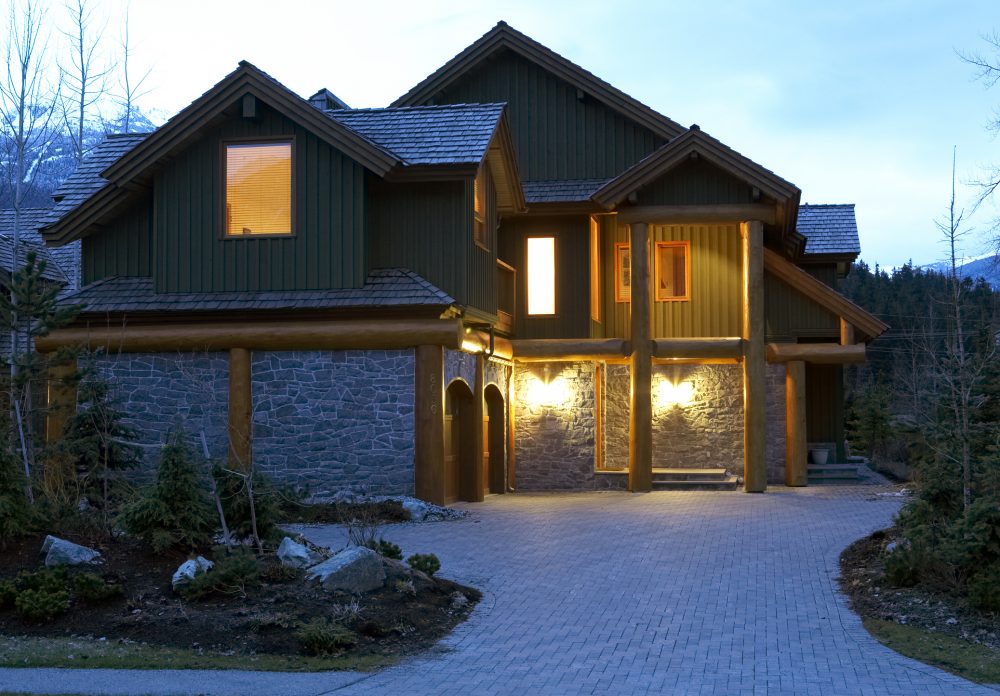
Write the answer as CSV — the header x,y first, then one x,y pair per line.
x,y
41,605
91,587
325,637
984,588
903,567
43,579
235,572
426,563
386,549
8,593
232,489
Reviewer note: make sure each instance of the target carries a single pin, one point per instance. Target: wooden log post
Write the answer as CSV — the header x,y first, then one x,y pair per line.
x,y
240,410
795,424
478,482
428,460
640,447
511,478
846,332
61,398
754,365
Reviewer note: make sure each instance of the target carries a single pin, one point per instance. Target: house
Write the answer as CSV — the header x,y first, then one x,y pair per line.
x,y
514,277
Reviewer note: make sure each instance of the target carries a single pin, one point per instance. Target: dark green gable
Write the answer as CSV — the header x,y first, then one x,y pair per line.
x,y
123,248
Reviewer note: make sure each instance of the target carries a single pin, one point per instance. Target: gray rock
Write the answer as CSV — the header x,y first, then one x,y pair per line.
x,y
61,552
295,555
188,569
355,569
458,600
421,511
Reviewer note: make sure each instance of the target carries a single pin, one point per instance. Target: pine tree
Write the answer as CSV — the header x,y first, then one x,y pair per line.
x,y
15,509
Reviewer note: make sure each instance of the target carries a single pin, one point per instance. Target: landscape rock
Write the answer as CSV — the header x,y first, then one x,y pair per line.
x,y
295,555
188,569
458,600
355,569
421,511
61,552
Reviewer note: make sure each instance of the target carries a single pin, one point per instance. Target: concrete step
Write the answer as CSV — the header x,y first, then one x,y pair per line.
x,y
671,474
832,473
727,483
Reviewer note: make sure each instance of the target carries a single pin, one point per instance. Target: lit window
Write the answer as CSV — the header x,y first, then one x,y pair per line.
x,y
595,270
541,275
623,273
258,188
479,210
673,271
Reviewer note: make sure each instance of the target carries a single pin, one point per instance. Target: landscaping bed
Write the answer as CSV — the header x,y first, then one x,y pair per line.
x,y
275,619
935,625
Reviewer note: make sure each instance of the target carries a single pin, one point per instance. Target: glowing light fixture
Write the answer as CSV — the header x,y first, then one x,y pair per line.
x,y
541,275
670,394
543,391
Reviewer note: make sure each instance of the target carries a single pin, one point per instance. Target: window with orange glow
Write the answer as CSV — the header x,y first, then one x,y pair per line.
x,y
595,270
258,188
673,271
541,275
623,273
479,210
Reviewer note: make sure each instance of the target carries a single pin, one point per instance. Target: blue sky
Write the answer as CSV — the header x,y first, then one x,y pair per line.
x,y
852,101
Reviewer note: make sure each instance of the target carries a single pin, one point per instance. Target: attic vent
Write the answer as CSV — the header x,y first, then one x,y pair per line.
x,y
327,100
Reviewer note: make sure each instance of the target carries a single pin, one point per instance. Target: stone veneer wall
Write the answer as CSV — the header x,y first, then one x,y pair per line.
x,y
617,385
160,391
328,420
708,433
459,364
555,443
775,423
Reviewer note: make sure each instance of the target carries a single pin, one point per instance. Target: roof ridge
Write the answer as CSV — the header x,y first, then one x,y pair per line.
x,y
422,107
827,205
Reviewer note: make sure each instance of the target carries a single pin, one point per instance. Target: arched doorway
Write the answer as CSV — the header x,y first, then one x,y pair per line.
x,y
493,441
459,457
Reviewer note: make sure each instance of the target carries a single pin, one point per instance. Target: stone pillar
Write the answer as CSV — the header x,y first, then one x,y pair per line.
x,y
640,454
240,410
754,367
795,424
428,402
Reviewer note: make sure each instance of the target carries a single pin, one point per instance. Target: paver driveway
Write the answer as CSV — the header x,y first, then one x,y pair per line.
x,y
612,593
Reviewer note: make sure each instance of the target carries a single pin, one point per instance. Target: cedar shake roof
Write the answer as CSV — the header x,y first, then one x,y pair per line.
x,y
427,135
62,265
829,229
384,288
561,191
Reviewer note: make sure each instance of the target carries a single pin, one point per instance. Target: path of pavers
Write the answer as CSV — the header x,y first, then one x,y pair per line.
x,y
613,593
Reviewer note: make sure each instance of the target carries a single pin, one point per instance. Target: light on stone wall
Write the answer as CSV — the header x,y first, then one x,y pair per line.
x,y
543,391
670,394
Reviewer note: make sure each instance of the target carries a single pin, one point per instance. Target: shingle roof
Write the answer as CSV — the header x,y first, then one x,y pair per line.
x,y
384,288
829,229
566,191
86,180
427,135
60,268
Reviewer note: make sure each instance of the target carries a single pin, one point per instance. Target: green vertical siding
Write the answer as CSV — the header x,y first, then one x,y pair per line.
x,y
791,315
482,262
572,240
716,283
696,182
123,247
557,135
327,249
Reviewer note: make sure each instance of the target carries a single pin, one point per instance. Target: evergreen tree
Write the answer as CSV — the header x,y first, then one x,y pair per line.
x,y
15,509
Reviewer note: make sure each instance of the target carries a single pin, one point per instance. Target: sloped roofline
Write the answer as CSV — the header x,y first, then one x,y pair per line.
x,y
504,36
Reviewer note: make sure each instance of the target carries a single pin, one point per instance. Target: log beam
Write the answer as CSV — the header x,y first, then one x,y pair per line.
x,y
754,377
240,410
429,424
694,348
795,424
640,450
569,349
277,335
819,353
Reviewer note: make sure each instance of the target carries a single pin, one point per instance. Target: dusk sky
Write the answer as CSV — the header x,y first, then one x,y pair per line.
x,y
854,102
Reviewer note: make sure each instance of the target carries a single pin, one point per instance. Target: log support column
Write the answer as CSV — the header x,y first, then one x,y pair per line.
x,y
428,460
61,399
511,474
754,365
795,424
240,410
478,482
640,450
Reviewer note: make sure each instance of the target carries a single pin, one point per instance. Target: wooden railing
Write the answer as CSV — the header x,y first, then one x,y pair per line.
x,y
506,296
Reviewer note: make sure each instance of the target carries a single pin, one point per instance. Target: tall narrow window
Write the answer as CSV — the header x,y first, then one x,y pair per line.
x,y
258,188
623,272
673,271
541,275
595,270
479,210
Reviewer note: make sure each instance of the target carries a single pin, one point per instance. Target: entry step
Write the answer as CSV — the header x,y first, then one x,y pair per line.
x,y
693,480
833,473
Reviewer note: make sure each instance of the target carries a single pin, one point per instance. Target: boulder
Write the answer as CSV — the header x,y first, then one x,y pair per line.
x,y
61,552
295,555
188,569
355,569
421,511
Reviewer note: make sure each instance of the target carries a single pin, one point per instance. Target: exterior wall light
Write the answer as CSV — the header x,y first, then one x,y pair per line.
x,y
670,394
543,391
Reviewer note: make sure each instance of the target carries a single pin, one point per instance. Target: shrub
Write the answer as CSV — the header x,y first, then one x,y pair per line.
x,y
233,493
8,593
904,566
975,537
234,572
176,512
41,604
91,587
426,563
15,510
325,637
984,588
386,549
43,579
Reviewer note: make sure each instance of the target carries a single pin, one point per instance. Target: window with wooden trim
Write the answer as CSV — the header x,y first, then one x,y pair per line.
x,y
541,276
258,188
673,271
479,231
595,270
623,272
